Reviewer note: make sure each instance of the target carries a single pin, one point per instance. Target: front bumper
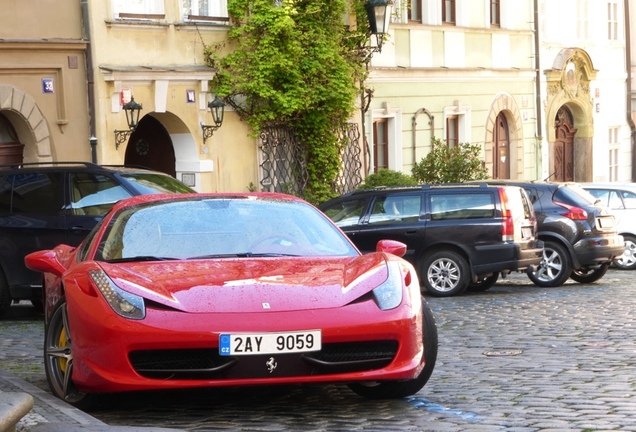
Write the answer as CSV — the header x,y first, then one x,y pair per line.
x,y
113,354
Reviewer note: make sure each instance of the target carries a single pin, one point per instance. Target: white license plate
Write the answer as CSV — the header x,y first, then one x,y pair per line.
x,y
234,344
606,222
526,232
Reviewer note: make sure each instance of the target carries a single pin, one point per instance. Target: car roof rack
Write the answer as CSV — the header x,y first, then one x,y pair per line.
x,y
35,164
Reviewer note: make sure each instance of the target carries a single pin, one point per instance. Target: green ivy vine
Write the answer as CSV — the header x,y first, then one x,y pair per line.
x,y
294,63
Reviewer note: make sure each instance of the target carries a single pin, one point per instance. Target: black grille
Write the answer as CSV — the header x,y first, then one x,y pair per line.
x,y
352,356
356,351
179,363
334,358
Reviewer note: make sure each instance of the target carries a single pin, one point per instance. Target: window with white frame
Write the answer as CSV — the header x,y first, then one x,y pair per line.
x,y
452,131
613,153
152,9
495,13
581,19
415,10
612,20
204,10
380,144
448,12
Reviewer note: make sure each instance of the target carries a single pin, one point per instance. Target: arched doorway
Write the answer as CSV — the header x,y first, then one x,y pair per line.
x,y
564,146
150,146
10,146
501,148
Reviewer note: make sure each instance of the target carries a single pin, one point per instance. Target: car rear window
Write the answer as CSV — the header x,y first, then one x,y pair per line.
x,y
574,195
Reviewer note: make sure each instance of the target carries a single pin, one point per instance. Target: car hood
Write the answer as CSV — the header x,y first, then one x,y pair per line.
x,y
250,285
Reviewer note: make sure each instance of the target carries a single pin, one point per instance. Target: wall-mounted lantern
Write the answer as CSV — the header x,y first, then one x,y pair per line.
x,y
217,108
379,15
132,110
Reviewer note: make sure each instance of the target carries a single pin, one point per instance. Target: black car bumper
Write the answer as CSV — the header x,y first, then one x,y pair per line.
x,y
598,250
506,258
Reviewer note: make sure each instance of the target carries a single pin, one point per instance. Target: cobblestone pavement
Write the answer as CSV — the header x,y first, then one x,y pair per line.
x,y
514,358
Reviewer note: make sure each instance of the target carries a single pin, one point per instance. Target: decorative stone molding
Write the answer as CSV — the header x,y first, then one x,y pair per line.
x,y
37,142
506,104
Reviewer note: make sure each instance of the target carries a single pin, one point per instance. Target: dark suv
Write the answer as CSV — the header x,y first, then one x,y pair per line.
x,y
457,236
580,236
45,204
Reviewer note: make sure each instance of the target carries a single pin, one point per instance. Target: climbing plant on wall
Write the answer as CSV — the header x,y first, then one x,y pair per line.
x,y
295,64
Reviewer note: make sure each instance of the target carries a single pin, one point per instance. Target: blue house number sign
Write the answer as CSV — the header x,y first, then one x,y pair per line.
x,y
47,85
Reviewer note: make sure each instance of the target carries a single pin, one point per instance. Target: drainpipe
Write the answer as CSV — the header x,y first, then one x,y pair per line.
x,y
89,79
628,63
431,122
537,67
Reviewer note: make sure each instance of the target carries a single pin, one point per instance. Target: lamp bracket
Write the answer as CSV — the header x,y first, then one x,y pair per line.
x,y
208,131
121,136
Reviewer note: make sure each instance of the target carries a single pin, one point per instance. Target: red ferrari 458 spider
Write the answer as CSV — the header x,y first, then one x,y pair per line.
x,y
206,290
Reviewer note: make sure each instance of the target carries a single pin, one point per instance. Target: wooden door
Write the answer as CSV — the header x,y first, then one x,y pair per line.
x,y
501,149
150,146
564,146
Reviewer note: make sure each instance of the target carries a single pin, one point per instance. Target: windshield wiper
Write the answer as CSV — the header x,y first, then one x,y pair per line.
x,y
141,258
242,255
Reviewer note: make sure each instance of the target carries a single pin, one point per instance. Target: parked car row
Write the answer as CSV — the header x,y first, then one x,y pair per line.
x,y
463,236
286,296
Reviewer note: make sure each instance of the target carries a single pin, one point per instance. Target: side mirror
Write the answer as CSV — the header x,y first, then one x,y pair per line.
x,y
392,247
45,262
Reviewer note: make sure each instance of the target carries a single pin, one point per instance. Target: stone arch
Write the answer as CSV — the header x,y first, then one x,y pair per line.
x,y
568,83
27,119
506,104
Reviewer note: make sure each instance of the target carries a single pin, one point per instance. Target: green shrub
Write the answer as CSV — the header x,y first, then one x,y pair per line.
x,y
450,164
387,177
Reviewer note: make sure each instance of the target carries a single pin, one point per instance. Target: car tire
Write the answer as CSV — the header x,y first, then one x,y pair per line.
x,y
627,261
589,275
5,296
58,359
555,267
483,284
444,274
400,389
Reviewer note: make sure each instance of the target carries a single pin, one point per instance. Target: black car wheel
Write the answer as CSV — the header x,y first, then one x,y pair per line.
x,y
555,267
627,261
589,275
444,274
58,358
400,389
483,284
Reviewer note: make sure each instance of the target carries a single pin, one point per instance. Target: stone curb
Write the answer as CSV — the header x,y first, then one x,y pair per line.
x,y
13,406
47,413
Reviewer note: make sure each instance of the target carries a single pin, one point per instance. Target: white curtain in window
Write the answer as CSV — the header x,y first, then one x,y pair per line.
x,y
138,6
216,8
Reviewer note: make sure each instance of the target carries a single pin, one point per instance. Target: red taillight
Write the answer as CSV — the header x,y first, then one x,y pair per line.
x,y
574,213
507,226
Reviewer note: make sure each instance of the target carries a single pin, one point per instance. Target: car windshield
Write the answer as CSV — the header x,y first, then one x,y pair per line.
x,y
199,228
149,183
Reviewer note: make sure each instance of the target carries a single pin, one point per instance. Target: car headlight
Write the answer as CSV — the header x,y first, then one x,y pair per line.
x,y
123,303
389,294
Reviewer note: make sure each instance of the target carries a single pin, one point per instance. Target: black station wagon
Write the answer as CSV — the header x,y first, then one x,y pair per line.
x,y
458,236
